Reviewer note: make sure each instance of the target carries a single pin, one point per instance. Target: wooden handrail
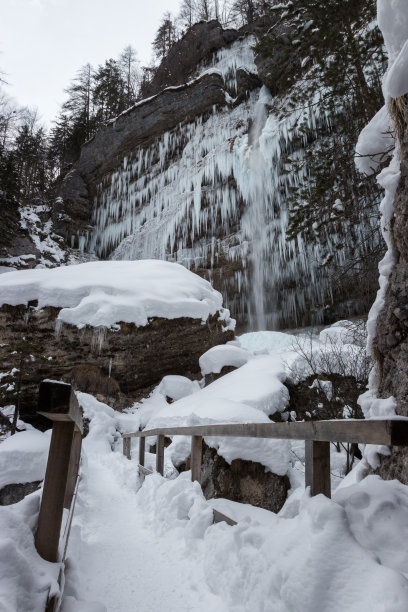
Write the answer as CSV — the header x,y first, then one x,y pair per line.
x,y
389,432
316,434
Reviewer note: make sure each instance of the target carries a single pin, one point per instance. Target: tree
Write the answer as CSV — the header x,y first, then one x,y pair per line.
x,y
78,107
109,91
188,13
205,10
30,157
129,67
325,63
245,10
165,36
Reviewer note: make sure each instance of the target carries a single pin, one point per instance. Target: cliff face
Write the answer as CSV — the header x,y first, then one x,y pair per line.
x,y
195,174
117,366
391,341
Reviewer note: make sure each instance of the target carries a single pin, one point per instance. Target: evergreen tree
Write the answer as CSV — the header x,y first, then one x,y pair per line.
x,y
109,91
326,61
165,36
79,109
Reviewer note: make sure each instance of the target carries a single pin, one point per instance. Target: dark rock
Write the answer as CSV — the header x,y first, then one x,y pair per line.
x,y
391,342
136,357
242,481
197,45
139,125
312,403
13,493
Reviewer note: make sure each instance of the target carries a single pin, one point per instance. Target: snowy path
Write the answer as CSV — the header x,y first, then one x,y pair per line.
x,y
121,563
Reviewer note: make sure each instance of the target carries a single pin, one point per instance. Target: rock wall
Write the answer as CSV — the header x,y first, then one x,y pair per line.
x,y
246,482
391,342
195,173
117,366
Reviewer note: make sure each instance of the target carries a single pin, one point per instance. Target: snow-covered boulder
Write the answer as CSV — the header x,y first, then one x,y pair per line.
x,y
109,327
23,457
219,357
177,387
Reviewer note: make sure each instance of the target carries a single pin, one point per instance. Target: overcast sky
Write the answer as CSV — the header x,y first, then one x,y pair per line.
x,y
44,42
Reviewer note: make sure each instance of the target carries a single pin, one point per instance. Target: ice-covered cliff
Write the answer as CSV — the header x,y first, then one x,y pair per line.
x,y
194,174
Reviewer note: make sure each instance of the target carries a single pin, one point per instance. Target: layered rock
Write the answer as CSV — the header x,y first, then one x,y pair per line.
x,y
195,174
391,342
119,365
246,482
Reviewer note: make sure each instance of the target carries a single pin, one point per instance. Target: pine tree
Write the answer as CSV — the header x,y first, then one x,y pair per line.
x,y
78,108
109,91
165,36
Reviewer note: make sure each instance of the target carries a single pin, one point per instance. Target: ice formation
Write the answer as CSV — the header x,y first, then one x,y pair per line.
x,y
183,198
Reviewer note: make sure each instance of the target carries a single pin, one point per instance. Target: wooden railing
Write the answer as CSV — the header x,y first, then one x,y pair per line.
x,y
58,402
317,436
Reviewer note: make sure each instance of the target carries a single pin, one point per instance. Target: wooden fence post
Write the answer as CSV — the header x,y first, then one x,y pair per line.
x,y
57,402
196,457
160,455
142,446
317,468
73,467
126,447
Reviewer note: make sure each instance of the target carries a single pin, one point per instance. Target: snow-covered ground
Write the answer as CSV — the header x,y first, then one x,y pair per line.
x,y
144,544
151,544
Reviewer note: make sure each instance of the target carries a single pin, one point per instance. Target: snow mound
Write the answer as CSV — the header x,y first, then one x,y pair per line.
x,y
246,395
23,457
26,578
267,562
256,386
221,356
104,293
177,387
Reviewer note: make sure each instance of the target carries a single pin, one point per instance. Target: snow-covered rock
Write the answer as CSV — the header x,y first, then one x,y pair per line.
x,y
177,387
221,356
104,293
23,457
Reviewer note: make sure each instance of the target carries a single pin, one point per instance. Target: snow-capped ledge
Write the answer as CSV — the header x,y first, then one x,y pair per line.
x,y
104,293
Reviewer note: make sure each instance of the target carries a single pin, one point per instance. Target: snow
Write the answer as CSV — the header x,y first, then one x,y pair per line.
x,y
26,579
393,22
177,387
396,80
270,341
23,457
102,293
374,143
221,356
171,199
143,541
267,562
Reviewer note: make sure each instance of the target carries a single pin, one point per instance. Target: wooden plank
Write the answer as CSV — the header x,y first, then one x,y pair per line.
x,y
142,447
144,470
73,468
196,457
317,467
52,502
127,446
58,402
382,431
160,454
219,517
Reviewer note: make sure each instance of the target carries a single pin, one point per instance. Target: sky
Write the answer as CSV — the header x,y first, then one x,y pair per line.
x,y
43,43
